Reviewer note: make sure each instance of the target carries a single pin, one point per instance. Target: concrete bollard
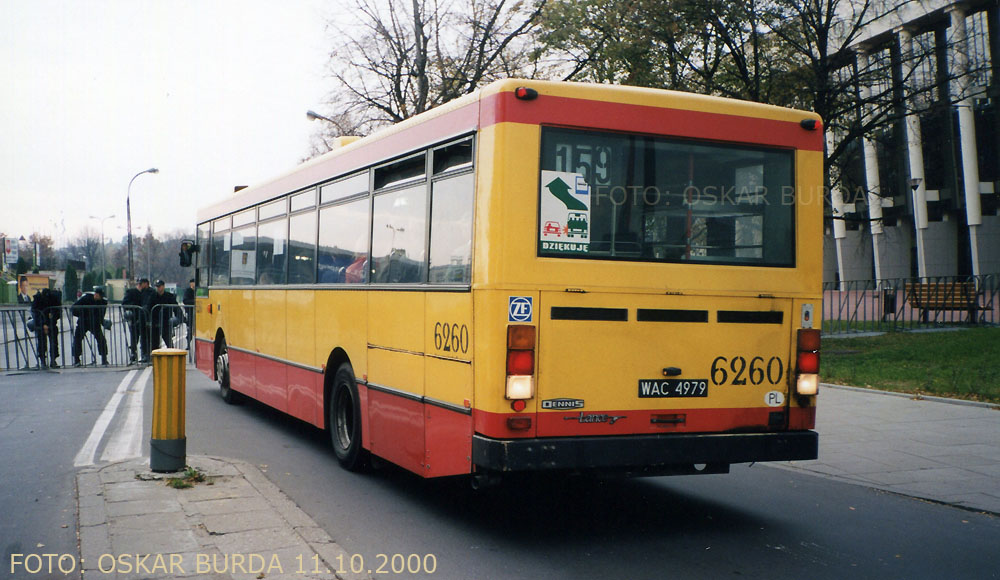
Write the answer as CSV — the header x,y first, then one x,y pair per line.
x,y
167,444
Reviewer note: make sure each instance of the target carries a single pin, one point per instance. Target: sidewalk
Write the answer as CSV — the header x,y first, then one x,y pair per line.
x,y
936,449
236,524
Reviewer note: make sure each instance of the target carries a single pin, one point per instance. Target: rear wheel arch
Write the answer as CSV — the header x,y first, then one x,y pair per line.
x,y
343,411
337,357
219,344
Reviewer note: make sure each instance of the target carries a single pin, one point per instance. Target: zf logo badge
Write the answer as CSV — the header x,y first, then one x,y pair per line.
x,y
519,309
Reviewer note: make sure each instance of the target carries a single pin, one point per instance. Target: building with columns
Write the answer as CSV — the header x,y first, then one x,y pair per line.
x,y
919,192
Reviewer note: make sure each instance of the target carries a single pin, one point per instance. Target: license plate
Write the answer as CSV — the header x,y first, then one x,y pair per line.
x,y
662,388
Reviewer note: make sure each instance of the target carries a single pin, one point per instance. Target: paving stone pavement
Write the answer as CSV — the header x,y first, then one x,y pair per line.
x,y
236,524
942,450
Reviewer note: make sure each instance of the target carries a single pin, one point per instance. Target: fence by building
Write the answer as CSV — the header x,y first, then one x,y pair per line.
x,y
910,303
125,331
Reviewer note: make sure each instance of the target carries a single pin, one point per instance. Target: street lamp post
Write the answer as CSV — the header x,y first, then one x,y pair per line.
x,y
128,216
104,265
313,116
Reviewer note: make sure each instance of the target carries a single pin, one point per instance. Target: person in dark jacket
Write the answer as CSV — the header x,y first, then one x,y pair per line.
x,y
146,295
189,308
138,325
89,312
160,313
45,318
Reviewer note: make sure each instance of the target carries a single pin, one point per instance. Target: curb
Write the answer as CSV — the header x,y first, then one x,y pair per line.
x,y
95,524
915,397
303,526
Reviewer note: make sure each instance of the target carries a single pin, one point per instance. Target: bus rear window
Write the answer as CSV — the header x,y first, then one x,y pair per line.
x,y
615,196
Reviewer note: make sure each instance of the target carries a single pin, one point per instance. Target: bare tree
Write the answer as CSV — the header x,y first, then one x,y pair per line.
x,y
397,59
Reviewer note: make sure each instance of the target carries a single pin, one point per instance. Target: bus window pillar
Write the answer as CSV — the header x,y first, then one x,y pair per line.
x,y
915,155
966,130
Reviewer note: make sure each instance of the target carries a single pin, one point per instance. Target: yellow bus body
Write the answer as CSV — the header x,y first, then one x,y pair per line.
x,y
431,361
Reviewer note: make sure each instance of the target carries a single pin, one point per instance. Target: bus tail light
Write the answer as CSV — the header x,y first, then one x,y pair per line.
x,y
520,362
807,361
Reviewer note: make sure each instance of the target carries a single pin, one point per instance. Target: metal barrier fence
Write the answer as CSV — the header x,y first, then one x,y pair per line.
x,y
910,303
120,335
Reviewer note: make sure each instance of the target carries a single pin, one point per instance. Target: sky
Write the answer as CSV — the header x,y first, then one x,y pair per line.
x,y
213,93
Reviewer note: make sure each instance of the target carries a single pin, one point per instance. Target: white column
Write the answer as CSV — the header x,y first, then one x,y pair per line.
x,y
916,157
966,131
837,209
873,184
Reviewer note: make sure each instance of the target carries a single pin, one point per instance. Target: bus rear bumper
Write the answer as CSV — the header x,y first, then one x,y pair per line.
x,y
673,453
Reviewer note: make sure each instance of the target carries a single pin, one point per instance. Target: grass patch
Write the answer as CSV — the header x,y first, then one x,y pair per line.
x,y
960,364
191,477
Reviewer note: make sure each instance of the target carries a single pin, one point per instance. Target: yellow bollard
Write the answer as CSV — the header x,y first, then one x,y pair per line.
x,y
167,444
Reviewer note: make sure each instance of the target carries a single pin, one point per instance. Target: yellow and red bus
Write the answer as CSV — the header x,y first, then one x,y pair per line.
x,y
536,276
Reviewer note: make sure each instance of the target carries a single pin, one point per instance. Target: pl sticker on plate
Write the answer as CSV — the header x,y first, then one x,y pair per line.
x,y
774,398
519,309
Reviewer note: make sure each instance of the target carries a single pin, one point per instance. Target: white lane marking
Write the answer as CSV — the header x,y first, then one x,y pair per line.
x,y
126,442
89,449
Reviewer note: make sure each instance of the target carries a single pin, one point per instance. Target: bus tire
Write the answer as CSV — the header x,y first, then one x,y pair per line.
x,y
345,420
222,375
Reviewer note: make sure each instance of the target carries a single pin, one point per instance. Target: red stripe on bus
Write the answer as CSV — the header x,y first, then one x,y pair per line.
x,y
448,442
569,112
627,422
800,418
397,429
427,439
271,382
204,357
305,395
495,425
241,373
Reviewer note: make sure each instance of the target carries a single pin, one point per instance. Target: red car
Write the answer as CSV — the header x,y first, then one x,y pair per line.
x,y
552,228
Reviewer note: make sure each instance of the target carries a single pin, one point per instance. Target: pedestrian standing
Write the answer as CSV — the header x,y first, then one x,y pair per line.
x,y
45,314
146,294
135,315
160,314
89,311
189,309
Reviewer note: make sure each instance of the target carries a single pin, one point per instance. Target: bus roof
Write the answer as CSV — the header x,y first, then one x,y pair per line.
x,y
492,104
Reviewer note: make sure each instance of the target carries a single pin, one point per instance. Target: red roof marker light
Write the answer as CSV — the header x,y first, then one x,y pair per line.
x,y
811,124
525,94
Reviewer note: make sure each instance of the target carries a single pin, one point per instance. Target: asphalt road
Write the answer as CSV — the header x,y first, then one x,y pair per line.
x,y
44,418
756,522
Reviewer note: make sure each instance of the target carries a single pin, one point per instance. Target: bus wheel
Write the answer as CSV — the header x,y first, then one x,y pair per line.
x,y
222,375
345,420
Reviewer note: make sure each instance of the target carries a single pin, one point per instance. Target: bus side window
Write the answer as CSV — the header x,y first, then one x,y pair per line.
x,y
343,243
272,243
302,248
399,227
451,230
220,258
244,256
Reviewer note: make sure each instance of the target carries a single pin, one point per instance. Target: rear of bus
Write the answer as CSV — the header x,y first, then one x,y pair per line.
x,y
654,263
